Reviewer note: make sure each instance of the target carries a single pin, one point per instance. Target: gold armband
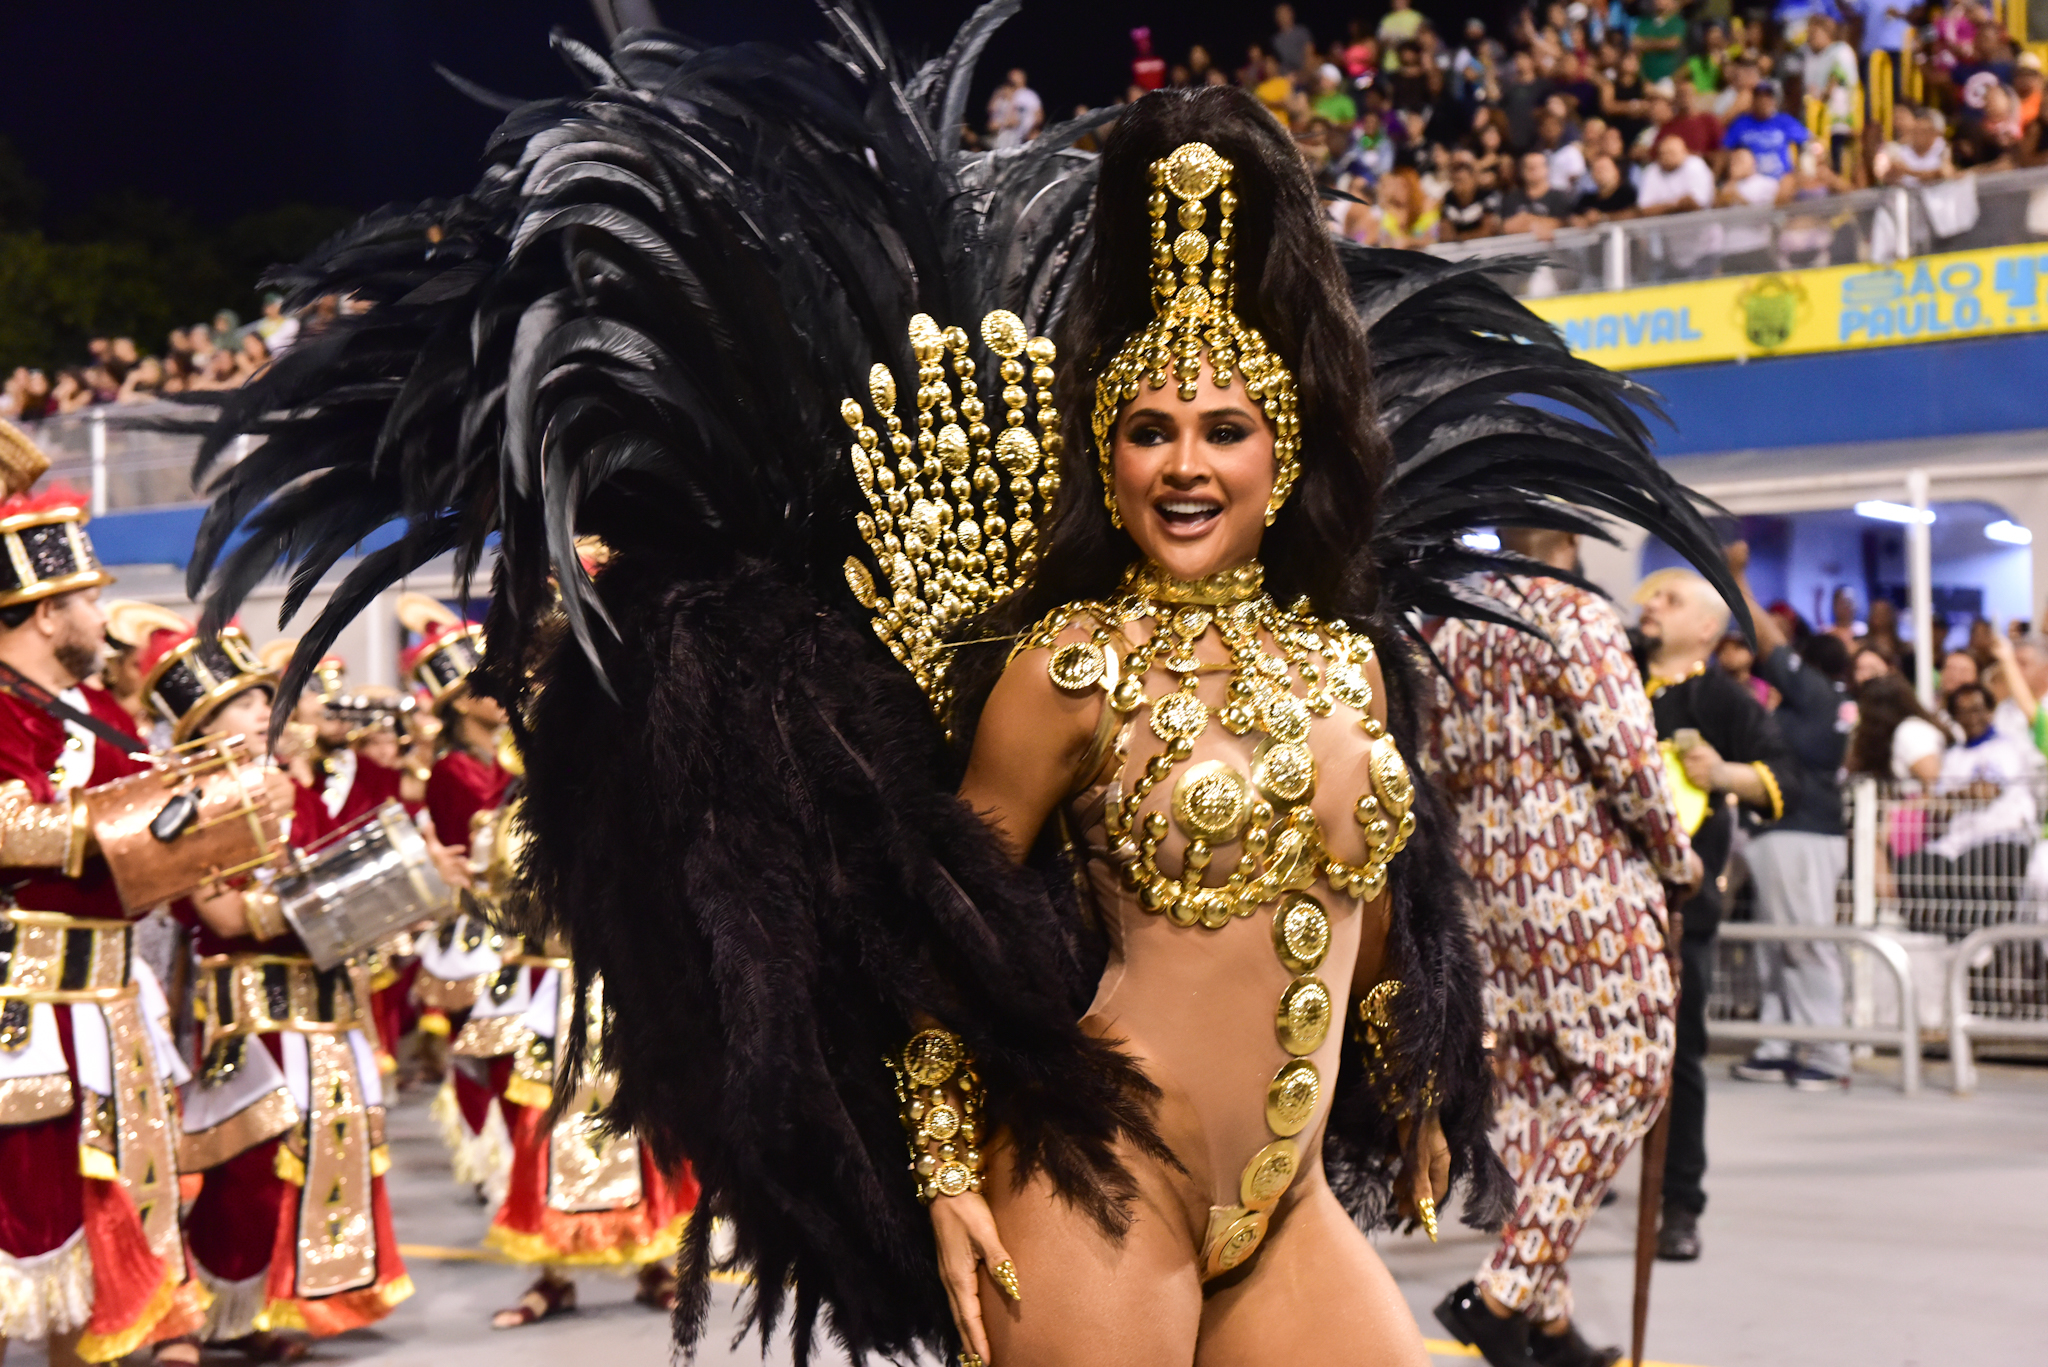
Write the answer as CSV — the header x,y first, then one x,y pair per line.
x,y
264,913
941,1098
1382,1042
35,834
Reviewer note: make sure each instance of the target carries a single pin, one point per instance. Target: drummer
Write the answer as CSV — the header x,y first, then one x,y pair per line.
x,y
292,1228
464,979
91,1261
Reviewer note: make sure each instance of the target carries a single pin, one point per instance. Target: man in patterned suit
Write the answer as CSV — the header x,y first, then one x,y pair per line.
x,y
1549,752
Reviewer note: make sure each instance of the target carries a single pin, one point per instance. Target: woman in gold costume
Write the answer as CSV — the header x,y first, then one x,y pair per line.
x,y
995,833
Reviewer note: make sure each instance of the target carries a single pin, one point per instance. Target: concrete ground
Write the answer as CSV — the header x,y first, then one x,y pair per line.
x,y
1866,1229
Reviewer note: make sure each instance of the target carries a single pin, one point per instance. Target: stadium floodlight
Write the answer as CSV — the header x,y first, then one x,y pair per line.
x,y
1886,511
2012,533
1479,541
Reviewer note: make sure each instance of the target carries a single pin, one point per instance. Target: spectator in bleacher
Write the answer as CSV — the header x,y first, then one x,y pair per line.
x,y
1771,135
1291,40
1918,154
1828,70
143,384
2016,670
1992,810
1400,25
1746,247
1958,667
1332,101
1015,113
1692,124
1795,864
1663,107
277,328
1467,211
1521,97
1370,154
1738,92
1886,27
1895,737
1471,73
1275,87
2026,84
1148,68
1488,145
1413,86
1254,69
1624,98
1954,34
1406,218
1565,160
1537,206
1993,141
1707,68
1676,182
1612,196
1867,662
1882,631
2028,683
1660,38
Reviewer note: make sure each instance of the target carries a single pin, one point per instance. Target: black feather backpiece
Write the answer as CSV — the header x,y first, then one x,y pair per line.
x,y
639,325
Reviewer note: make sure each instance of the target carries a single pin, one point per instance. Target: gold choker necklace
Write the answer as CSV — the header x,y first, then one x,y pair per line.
x,y
1240,585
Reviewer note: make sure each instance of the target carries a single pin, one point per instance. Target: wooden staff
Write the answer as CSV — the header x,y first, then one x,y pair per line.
x,y
1650,1194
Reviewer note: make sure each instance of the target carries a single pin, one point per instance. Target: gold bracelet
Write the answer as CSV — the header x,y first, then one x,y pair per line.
x,y
940,1094
264,913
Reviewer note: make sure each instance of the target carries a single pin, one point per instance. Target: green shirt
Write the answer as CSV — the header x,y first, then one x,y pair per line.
x,y
1337,107
1705,73
1658,64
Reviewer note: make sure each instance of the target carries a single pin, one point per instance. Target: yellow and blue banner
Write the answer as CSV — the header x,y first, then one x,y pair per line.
x,y
1985,293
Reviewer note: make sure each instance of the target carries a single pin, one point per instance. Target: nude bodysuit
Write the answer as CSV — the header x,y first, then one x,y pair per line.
x,y
1227,981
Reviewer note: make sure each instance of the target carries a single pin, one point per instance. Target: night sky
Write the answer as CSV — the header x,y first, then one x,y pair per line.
x,y
231,106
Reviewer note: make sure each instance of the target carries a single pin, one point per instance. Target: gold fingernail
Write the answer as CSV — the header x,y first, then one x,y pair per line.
x,y
1426,1207
1005,1273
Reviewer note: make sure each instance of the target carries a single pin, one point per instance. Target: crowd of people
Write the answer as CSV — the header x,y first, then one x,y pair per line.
x,y
1578,114
223,354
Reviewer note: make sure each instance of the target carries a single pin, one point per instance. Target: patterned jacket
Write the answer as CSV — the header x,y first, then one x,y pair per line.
x,y
1548,752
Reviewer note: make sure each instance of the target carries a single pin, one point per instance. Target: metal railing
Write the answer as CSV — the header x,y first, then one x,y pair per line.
x,y
98,452
1978,952
1876,226
1949,890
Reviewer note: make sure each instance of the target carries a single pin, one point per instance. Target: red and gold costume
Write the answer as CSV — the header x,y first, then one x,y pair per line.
x,y
89,1182
291,1228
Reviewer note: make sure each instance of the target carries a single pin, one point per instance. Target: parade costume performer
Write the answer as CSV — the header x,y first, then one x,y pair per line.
x,y
284,1121
91,1256
1734,752
830,983
472,985
1547,751
576,1195
129,624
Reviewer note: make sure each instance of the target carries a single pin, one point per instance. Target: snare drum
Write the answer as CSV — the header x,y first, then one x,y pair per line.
x,y
361,886
197,816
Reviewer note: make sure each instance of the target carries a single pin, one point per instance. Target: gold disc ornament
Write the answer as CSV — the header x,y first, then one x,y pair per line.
x,y
1291,1097
1077,666
1303,1020
1269,1173
1210,802
1301,933
932,1057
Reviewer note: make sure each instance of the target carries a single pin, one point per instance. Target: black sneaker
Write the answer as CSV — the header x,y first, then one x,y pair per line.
x,y
1754,1069
1569,1350
1805,1079
1502,1340
1678,1240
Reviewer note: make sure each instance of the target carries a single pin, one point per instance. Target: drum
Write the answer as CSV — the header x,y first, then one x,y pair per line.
x,y
361,886
197,816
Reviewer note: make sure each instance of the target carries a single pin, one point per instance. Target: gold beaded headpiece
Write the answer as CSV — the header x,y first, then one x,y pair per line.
x,y
947,557
1191,318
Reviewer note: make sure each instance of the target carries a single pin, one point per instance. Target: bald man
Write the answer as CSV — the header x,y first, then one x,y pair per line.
x,y
1730,748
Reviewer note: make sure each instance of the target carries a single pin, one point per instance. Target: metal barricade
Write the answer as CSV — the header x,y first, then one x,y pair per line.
x,y
1904,1036
122,466
1978,952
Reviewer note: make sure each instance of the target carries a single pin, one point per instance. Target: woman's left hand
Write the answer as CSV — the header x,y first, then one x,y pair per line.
x,y
1429,1177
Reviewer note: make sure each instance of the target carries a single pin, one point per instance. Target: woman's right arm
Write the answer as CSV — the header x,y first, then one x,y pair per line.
x,y
1029,748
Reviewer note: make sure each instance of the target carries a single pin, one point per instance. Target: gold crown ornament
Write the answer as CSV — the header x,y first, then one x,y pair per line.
x,y
953,522
1193,318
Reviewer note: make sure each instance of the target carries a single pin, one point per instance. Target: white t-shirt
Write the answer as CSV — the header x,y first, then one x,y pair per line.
x,y
1919,166
1567,166
1756,190
1914,741
2013,816
1692,180
1837,59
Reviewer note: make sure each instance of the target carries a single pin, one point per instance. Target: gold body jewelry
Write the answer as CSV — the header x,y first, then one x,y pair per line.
x,y
940,1094
1266,813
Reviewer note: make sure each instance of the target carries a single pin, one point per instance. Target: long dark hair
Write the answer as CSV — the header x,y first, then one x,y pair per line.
x,y
1881,704
1292,289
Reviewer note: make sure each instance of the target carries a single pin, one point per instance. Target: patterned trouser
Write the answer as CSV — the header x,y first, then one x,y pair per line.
x,y
1573,1104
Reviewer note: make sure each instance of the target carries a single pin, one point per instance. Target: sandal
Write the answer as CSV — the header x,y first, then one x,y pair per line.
x,y
545,1299
264,1346
657,1289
